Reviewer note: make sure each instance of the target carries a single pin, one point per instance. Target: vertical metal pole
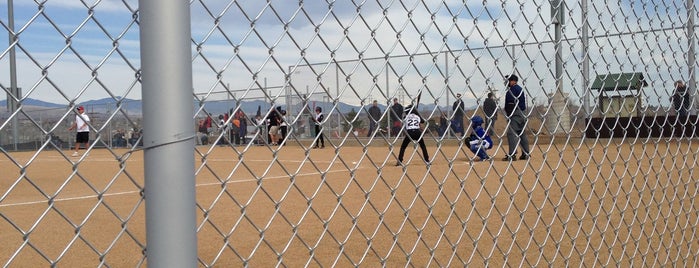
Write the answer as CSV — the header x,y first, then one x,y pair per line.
x,y
446,70
111,134
306,110
337,92
13,105
514,58
388,105
560,118
287,90
168,144
691,58
586,60
289,109
559,53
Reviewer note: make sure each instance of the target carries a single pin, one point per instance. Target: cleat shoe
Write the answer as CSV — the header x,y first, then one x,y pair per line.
x,y
75,154
510,158
398,163
524,157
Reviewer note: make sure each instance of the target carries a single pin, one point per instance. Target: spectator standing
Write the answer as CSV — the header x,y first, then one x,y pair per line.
x,y
235,130
374,117
396,117
490,109
135,138
318,120
260,123
202,133
243,128
515,107
224,128
443,124
208,121
458,115
680,99
81,125
274,122
118,139
283,127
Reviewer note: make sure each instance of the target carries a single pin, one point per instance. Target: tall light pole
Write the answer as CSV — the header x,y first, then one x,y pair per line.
x,y
559,119
388,103
337,92
12,104
691,58
586,60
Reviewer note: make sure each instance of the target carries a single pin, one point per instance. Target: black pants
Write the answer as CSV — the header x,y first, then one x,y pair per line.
x,y
235,138
319,136
413,135
372,127
283,130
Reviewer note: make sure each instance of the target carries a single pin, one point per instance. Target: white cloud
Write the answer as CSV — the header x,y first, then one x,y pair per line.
x,y
478,25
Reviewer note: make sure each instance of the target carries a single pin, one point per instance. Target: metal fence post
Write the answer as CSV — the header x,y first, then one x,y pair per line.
x,y
168,133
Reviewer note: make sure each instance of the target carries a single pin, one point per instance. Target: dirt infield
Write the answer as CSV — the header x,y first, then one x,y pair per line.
x,y
608,202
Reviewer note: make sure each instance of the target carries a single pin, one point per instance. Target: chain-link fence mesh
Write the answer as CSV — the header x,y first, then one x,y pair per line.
x,y
610,90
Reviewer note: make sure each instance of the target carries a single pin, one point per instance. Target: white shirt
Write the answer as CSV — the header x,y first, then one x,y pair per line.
x,y
412,121
81,121
319,119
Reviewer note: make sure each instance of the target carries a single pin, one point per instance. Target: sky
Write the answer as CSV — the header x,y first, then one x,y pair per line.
x,y
74,51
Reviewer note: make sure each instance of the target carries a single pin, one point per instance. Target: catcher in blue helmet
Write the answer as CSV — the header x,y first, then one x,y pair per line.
x,y
479,141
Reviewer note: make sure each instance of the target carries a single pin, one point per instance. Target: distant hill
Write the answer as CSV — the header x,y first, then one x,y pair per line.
x,y
34,102
133,106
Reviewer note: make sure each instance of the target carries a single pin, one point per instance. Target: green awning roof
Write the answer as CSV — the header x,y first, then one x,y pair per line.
x,y
620,81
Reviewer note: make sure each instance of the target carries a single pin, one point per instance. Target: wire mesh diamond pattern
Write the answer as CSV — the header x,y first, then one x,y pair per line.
x,y
294,166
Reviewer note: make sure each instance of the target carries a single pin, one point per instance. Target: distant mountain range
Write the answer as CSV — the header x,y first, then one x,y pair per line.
x,y
33,102
133,106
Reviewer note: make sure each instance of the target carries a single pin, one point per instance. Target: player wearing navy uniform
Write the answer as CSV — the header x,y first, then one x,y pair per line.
x,y
515,107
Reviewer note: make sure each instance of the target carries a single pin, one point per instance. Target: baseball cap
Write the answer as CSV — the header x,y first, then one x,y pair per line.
x,y
81,108
513,78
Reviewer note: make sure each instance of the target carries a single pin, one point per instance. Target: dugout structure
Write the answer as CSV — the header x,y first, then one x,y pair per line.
x,y
620,113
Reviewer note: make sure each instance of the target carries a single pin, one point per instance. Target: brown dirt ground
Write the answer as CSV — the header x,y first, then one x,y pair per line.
x,y
608,202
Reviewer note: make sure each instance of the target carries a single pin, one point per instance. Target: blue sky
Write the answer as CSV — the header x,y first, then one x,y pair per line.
x,y
104,52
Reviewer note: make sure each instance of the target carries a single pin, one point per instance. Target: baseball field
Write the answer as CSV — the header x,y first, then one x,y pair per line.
x,y
600,202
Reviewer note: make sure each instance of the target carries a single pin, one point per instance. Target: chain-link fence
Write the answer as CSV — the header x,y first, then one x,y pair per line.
x,y
607,177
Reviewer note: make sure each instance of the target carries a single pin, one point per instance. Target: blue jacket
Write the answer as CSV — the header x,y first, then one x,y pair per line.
x,y
481,138
515,95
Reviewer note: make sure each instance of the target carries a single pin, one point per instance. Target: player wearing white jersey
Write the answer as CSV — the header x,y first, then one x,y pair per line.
x,y
413,132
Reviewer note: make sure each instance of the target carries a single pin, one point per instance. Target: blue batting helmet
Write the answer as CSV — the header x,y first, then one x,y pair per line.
x,y
476,120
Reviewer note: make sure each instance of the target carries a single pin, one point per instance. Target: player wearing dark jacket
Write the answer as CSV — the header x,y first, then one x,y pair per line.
x,y
515,106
